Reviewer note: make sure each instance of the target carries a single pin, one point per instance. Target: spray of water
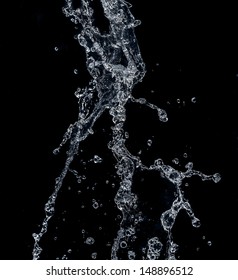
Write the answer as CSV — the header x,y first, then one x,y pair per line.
x,y
115,64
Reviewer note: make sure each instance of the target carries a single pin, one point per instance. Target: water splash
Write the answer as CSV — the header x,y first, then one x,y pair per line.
x,y
115,64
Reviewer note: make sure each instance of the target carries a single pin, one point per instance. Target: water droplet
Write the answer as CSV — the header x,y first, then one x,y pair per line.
x,y
149,142
185,155
123,244
90,241
56,49
196,222
75,71
95,205
97,159
131,255
209,243
216,177
178,100
94,255
69,251
126,135
189,165
193,100
175,161
56,151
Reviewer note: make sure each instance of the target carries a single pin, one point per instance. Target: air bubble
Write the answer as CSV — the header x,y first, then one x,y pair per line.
x,y
193,100
75,71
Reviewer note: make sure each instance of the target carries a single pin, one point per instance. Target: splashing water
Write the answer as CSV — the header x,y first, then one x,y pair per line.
x,y
115,64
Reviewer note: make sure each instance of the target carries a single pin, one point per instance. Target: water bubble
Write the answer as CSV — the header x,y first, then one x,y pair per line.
x,y
209,243
69,251
90,241
193,100
56,49
185,155
75,71
178,100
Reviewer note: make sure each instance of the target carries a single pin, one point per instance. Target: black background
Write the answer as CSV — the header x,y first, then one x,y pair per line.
x,y
189,51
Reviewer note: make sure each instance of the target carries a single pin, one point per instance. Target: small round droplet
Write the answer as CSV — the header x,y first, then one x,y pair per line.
x,y
95,205
131,255
196,222
126,135
185,155
90,241
123,244
175,161
56,151
56,49
149,142
193,100
209,243
94,255
97,159
189,165
178,100
75,71
216,177
69,251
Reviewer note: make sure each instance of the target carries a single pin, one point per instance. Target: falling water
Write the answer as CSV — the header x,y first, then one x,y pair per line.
x,y
115,65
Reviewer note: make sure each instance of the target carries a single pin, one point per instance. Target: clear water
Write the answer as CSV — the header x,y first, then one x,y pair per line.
x,y
115,65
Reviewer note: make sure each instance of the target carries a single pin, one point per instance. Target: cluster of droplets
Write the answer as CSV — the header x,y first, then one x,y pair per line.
x,y
115,64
